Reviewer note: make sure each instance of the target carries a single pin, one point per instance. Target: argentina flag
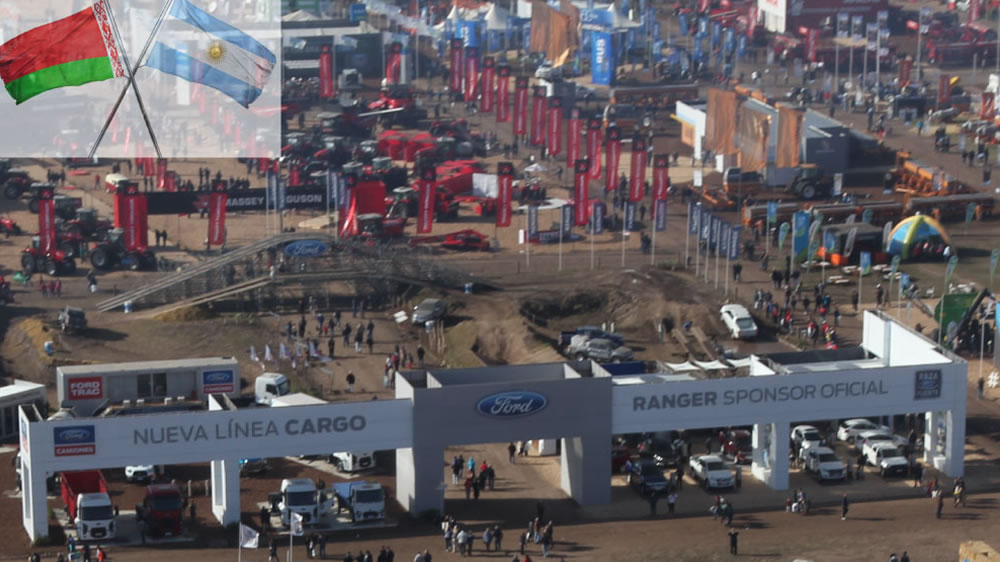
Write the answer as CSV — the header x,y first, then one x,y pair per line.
x,y
199,47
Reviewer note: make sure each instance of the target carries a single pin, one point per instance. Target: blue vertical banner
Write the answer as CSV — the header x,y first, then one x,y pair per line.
x,y
694,214
567,219
702,27
730,41
272,189
734,242
683,23
741,49
532,222
282,185
713,233
597,218
772,212
660,208
800,235
723,238
705,223
865,265
601,58
716,34
630,216
830,243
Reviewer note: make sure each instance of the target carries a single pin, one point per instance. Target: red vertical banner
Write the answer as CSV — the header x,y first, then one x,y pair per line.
x,y
46,221
521,105
581,191
538,116
161,173
905,67
752,22
487,88
505,192
503,93
554,140
262,166
425,205
294,176
703,6
471,72
636,185
142,222
132,216
614,154
594,147
171,183
944,90
325,73
974,8
573,137
149,166
812,38
455,77
987,109
661,177
393,63
217,215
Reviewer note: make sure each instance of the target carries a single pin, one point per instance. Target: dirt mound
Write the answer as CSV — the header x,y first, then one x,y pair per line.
x,y
186,314
562,305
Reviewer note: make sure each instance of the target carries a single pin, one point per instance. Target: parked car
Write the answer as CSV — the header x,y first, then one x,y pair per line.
x,y
140,473
647,476
738,321
874,435
711,471
566,337
737,444
253,466
72,319
548,72
804,436
660,448
884,455
598,349
429,309
823,462
849,429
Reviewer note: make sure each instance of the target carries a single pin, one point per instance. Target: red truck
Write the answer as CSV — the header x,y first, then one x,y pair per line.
x,y
85,494
162,510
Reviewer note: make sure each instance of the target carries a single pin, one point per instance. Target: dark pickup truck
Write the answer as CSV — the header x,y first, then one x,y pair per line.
x,y
591,332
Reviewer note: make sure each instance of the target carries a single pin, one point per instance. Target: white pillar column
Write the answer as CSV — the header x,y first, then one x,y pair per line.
x,y
955,443
584,470
34,501
420,481
779,454
226,490
930,437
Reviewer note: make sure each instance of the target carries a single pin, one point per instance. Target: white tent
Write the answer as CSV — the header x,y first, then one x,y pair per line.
x,y
496,18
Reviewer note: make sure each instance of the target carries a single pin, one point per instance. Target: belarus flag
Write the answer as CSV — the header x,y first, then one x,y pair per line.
x,y
222,57
69,52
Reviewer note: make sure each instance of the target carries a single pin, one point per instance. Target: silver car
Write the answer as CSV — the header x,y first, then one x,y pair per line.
x,y
429,309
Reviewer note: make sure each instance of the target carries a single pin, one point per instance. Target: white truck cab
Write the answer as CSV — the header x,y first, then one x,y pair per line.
x,y
269,386
300,495
95,517
347,461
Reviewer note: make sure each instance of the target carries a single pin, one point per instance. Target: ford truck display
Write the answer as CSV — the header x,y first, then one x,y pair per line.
x,y
364,500
162,510
85,494
300,495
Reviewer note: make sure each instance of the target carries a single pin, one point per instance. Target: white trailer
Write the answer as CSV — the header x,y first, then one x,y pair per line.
x,y
346,461
85,388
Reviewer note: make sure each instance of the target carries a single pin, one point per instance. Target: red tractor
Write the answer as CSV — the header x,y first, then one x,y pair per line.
x,y
84,224
16,182
9,226
111,252
405,202
373,226
398,105
53,263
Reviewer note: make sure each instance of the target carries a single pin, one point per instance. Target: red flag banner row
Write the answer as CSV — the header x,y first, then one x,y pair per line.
x,y
505,192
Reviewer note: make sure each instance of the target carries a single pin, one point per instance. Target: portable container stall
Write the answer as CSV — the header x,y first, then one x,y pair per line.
x,y
13,395
84,388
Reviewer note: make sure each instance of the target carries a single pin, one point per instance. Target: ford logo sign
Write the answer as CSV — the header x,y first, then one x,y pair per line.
x,y
74,435
512,404
218,376
306,249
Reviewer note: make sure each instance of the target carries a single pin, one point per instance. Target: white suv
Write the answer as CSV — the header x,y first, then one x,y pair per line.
x,y
825,463
886,457
712,471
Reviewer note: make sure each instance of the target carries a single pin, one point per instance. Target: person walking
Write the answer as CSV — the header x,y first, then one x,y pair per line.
x,y
497,538
844,504
940,504
511,452
350,381
671,500
359,338
980,387
734,541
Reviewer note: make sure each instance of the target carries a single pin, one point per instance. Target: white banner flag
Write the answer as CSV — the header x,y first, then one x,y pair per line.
x,y
248,537
296,527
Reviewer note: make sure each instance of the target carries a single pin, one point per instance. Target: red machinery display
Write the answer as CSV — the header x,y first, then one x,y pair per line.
x,y
42,254
128,244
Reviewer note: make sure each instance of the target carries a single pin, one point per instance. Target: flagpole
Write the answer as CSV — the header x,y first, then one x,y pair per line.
x,y
687,238
132,70
652,249
717,240
131,78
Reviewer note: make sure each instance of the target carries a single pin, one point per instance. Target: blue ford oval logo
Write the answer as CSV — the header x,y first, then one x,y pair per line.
x,y
306,249
512,404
